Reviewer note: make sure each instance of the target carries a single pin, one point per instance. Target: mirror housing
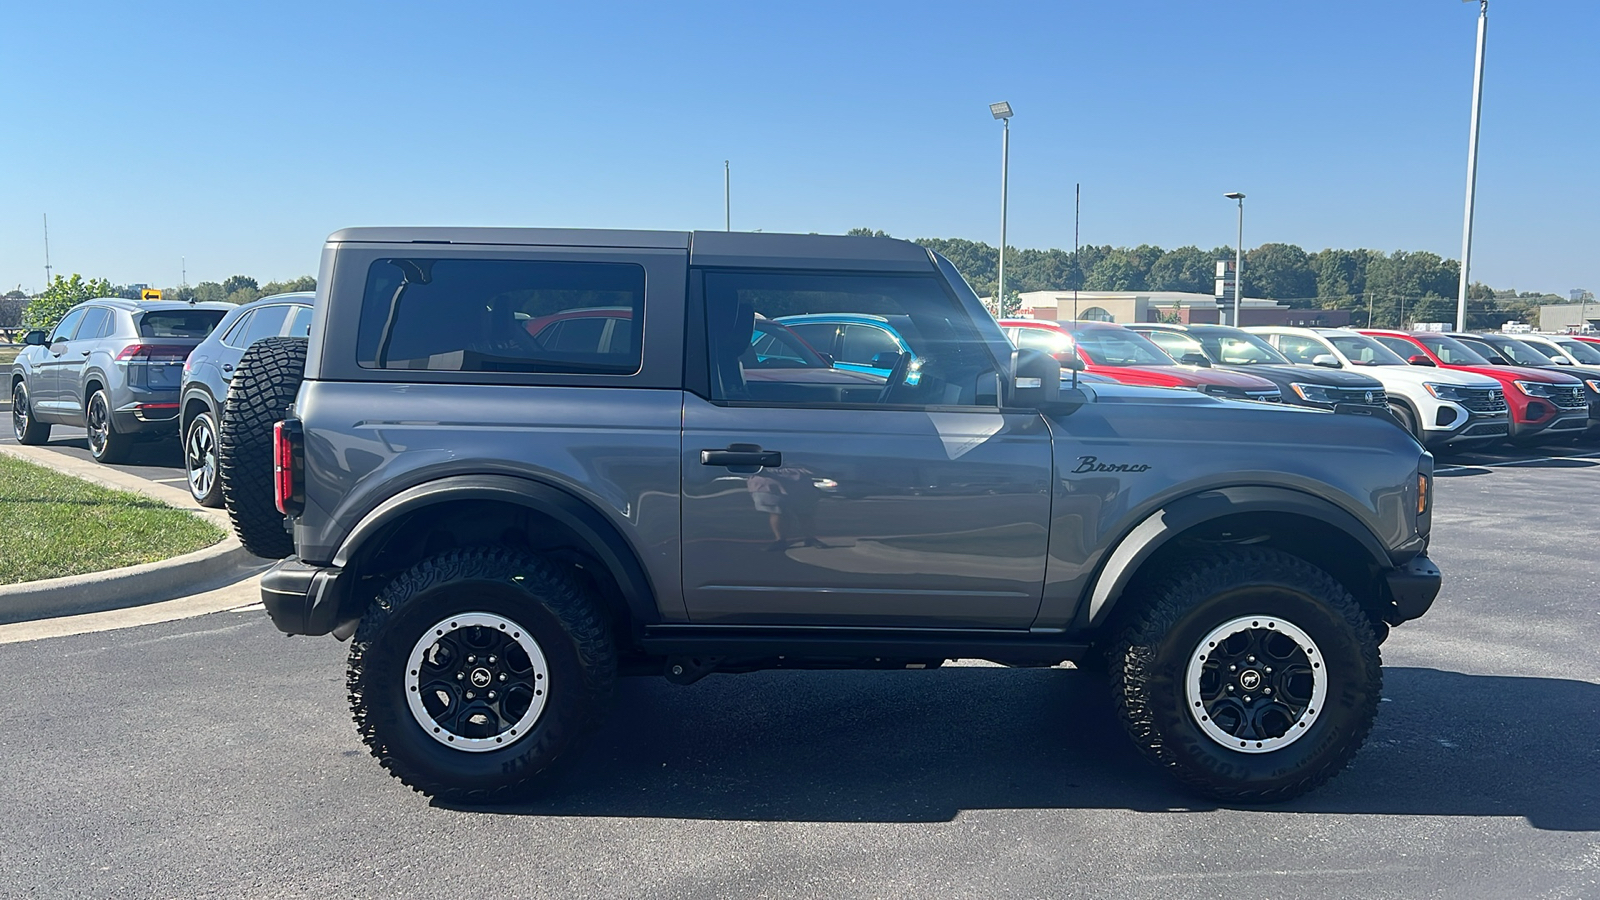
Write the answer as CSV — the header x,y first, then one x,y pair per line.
x,y
1417,359
1070,360
885,360
1196,359
1035,383
1561,360
1326,360
34,338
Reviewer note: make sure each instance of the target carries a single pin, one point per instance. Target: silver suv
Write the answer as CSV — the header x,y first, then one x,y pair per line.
x,y
522,463
110,366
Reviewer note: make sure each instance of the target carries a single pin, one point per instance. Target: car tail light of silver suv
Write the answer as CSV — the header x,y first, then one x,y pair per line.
x,y
288,467
154,353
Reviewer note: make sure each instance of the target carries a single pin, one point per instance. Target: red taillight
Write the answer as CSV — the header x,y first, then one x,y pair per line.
x,y
154,353
287,465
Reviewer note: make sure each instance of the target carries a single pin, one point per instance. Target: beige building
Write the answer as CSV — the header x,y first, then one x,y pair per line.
x,y
1124,307
1568,317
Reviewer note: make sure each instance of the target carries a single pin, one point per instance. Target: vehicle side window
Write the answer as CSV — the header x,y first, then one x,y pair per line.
x,y
819,335
948,362
67,326
96,322
864,342
1175,345
1299,349
235,336
501,315
1405,348
264,323
300,322
1051,342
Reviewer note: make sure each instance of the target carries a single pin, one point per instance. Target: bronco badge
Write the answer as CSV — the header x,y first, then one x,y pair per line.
x,y
1093,464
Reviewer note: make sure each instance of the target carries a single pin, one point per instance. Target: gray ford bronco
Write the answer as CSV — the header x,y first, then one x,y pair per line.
x,y
524,462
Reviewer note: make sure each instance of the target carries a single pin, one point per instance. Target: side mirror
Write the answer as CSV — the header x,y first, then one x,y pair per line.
x,y
34,338
1497,360
827,359
1561,361
1070,360
1195,359
885,360
1036,384
1419,360
1326,360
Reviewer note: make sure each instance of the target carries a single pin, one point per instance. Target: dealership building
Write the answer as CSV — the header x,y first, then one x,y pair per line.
x,y
1570,317
1124,307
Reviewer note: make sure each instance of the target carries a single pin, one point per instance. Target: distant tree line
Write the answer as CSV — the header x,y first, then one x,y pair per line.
x,y
19,311
1380,289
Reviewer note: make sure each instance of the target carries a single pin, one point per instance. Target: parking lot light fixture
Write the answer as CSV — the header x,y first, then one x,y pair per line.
x,y
1238,258
1002,111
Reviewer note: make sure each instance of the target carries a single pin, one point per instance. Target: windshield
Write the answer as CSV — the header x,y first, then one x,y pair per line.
x,y
1364,351
1518,352
1241,349
1451,351
1548,351
776,347
1484,350
1119,347
1583,353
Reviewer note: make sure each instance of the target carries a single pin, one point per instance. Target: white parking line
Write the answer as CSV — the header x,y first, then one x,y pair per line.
x,y
1511,463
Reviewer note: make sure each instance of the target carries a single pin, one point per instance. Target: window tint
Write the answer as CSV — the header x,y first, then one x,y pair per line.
x,y
1364,351
864,342
1547,351
96,322
1585,354
819,335
948,364
1518,352
179,323
1119,347
1452,351
1048,340
300,323
236,332
1300,349
1174,344
263,323
496,315
1242,350
67,325
1403,347
1483,349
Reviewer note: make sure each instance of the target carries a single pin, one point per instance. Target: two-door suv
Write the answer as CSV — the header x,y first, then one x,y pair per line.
x,y
505,525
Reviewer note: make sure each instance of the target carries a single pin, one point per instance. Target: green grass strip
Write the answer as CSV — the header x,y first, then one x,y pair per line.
x,y
53,525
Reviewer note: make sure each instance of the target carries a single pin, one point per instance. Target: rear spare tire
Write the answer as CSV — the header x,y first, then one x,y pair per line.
x,y
264,384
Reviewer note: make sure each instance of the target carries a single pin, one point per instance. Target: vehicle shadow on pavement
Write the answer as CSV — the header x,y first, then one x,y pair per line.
x,y
163,452
923,746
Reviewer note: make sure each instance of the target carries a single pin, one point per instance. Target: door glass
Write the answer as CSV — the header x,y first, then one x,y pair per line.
x,y
948,363
95,324
300,325
67,325
266,322
820,336
235,336
1300,349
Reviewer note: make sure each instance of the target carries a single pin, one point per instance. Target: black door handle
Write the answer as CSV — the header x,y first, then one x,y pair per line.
x,y
227,367
85,353
742,456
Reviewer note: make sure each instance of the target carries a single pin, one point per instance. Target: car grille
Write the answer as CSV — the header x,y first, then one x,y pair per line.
x,y
1486,429
1265,396
1374,397
1568,398
1483,400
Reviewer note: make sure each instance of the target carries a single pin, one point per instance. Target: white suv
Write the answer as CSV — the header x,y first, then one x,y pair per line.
x,y
1440,407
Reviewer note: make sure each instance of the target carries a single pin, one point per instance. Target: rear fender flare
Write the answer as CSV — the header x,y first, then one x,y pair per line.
x,y
1180,515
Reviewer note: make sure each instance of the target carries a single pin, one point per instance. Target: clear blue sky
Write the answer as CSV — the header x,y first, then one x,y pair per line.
x,y
239,136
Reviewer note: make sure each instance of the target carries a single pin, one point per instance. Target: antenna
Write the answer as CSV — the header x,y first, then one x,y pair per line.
x,y
47,251
1077,261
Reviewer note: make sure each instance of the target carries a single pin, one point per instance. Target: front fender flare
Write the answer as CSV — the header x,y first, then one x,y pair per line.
x,y
1178,516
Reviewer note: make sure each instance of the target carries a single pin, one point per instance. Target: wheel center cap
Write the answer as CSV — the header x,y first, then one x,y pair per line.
x,y
1249,679
481,678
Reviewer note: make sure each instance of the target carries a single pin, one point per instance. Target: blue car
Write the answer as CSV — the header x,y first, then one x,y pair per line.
x,y
857,342
209,369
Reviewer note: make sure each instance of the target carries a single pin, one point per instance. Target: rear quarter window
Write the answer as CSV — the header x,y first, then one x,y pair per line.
x,y
498,315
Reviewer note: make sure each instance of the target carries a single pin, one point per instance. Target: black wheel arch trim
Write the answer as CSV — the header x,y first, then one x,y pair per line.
x,y
603,540
1179,515
195,391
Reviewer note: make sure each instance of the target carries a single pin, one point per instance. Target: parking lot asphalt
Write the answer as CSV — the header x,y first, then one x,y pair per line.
x,y
213,757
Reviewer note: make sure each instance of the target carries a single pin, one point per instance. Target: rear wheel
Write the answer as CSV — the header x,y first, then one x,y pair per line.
x,y
106,443
264,384
476,670
24,426
200,459
1250,675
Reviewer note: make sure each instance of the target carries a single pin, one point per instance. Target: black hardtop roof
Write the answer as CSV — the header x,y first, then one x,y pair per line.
x,y
153,305
706,248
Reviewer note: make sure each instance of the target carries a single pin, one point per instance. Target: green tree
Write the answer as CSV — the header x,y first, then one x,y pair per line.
x,y
1184,269
867,232
1118,270
303,283
1280,272
63,294
11,309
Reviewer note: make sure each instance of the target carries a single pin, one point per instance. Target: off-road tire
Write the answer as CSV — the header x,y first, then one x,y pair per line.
x,y
112,446
1148,670
561,615
24,426
264,385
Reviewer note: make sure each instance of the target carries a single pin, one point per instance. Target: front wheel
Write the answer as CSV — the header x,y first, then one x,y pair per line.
x,y
106,443
24,426
1250,675
476,670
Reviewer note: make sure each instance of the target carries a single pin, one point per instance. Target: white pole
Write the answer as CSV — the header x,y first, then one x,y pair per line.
x,y
727,202
1472,167
1005,163
1238,267
46,250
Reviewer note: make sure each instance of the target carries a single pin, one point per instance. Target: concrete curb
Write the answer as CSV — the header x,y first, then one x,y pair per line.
x,y
211,567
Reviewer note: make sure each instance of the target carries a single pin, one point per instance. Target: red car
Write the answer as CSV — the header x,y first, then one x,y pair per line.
x,y
1102,348
1544,404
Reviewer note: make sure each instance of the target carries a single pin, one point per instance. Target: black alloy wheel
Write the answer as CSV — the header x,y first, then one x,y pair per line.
x,y
200,460
24,426
106,443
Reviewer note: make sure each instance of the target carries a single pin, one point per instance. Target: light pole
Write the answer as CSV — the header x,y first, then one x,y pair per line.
x,y
1472,164
1002,111
1238,258
727,204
